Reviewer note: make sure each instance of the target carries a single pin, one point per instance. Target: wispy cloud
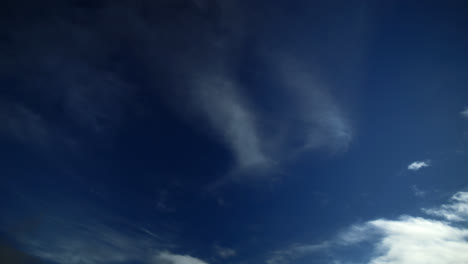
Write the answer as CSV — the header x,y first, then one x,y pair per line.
x,y
417,165
456,210
295,252
464,113
323,123
224,252
169,258
69,242
227,112
417,191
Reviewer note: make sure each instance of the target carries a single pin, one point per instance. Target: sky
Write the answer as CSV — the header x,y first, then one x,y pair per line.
x,y
234,132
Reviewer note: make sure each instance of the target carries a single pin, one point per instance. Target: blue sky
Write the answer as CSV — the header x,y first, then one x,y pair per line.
x,y
238,132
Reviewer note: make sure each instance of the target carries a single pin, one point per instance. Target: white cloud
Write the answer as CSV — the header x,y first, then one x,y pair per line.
x,y
406,240
169,258
457,210
464,113
417,240
417,165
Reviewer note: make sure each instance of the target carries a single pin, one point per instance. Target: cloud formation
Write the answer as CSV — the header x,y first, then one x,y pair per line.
x,y
417,165
406,240
418,239
226,111
456,210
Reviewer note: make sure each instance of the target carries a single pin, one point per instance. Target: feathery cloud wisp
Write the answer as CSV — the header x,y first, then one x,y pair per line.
x,y
227,113
456,210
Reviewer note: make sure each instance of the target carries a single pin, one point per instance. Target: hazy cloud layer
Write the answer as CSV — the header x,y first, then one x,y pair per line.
x,y
100,244
188,60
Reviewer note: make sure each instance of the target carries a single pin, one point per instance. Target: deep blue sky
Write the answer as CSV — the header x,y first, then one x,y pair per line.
x,y
205,131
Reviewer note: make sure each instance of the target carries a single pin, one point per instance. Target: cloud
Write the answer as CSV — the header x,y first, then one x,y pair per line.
x,y
417,165
457,210
416,239
322,123
226,110
169,258
464,113
69,242
224,252
295,252
418,192
405,240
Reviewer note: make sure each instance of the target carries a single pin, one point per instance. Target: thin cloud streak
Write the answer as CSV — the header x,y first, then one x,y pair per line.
x,y
226,111
94,243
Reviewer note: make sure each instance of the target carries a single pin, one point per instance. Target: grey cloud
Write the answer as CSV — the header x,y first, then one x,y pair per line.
x,y
322,122
225,252
227,112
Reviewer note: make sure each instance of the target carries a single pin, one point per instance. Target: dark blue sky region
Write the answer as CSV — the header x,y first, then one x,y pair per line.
x,y
238,132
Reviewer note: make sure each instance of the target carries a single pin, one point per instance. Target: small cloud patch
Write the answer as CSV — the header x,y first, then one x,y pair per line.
x,y
464,113
417,165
